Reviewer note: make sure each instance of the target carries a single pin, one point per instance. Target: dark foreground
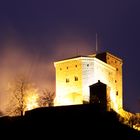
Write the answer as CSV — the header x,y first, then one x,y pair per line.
x,y
67,122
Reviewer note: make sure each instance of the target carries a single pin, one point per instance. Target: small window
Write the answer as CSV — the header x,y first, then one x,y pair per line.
x,y
117,93
67,80
87,65
76,66
115,81
67,67
76,78
60,68
116,69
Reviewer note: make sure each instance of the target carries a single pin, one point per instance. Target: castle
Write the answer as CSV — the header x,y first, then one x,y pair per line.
x,y
75,76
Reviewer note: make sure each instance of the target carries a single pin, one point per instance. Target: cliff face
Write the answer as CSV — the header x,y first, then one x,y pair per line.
x,y
69,122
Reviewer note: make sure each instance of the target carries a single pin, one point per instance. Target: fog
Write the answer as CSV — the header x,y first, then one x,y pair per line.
x,y
35,62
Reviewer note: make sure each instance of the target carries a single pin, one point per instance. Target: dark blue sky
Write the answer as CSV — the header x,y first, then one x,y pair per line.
x,y
35,33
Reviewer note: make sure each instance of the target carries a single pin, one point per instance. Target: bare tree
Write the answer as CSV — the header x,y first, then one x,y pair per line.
x,y
16,106
46,98
134,120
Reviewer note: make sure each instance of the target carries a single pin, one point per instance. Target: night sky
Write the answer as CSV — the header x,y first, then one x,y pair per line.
x,y
35,33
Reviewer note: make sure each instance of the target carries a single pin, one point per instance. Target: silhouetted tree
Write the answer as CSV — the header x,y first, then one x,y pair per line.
x,y
133,120
46,98
16,105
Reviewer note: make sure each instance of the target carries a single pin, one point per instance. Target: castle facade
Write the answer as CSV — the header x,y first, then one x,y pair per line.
x,y
74,76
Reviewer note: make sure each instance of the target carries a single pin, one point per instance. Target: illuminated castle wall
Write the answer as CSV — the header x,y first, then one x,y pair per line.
x,y
75,75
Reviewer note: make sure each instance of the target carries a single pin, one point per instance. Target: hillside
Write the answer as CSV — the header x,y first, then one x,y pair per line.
x,y
78,121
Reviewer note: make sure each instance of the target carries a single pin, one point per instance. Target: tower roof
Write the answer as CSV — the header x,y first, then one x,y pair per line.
x,y
103,56
99,83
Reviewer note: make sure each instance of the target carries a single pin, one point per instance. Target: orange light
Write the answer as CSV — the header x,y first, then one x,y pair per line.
x,y
31,100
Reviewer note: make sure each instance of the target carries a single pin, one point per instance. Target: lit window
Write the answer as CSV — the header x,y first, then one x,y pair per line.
x,y
67,80
76,78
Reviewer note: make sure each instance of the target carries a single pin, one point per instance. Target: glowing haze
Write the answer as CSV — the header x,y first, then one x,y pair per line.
x,y
17,59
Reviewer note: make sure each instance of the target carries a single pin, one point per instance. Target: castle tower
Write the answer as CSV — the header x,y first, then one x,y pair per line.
x,y
75,75
117,64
